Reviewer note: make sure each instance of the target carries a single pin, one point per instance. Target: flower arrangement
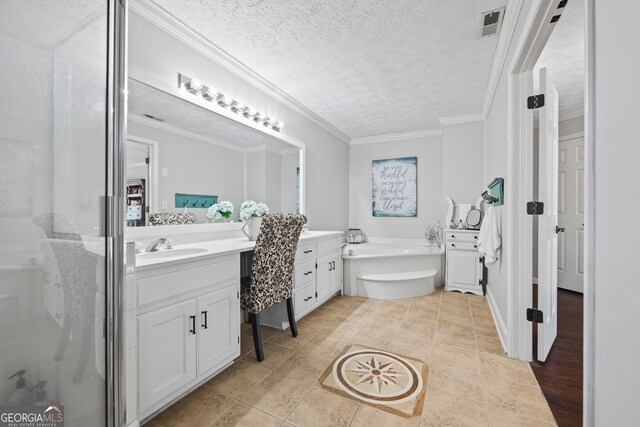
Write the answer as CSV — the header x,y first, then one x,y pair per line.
x,y
250,209
221,210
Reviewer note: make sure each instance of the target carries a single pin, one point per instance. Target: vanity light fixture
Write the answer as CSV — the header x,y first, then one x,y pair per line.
x,y
196,87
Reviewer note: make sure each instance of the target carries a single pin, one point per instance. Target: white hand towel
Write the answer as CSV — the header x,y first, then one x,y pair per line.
x,y
489,239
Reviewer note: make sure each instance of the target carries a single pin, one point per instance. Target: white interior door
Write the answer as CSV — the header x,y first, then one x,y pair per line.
x,y
548,221
571,214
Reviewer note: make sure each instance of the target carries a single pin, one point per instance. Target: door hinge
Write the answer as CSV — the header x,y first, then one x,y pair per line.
x,y
534,315
316,265
238,294
316,295
481,259
535,101
146,160
238,339
535,208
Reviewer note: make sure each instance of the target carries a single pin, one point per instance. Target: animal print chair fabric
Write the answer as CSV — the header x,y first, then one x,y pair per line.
x,y
271,278
172,218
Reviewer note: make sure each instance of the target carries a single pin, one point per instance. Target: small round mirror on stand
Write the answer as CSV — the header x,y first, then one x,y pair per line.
x,y
474,218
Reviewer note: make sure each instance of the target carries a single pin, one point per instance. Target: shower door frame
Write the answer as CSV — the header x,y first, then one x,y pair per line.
x,y
112,227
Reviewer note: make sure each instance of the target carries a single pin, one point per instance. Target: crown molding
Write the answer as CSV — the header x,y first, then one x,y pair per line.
x,y
162,19
396,136
464,118
571,114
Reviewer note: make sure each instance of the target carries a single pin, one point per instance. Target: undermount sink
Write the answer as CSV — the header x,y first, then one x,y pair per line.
x,y
171,253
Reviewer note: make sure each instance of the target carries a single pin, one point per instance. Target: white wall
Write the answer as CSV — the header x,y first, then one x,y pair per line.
x,y
430,174
462,161
495,165
613,273
155,53
194,167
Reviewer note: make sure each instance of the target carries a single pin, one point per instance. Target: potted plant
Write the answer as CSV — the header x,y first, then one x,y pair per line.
x,y
252,213
220,212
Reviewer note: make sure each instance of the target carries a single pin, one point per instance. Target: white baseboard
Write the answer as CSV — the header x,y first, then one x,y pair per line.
x,y
497,319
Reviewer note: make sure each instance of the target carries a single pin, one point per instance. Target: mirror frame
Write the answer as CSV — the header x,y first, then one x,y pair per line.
x,y
132,233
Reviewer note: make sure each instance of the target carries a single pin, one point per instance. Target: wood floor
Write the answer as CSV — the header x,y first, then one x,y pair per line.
x,y
560,377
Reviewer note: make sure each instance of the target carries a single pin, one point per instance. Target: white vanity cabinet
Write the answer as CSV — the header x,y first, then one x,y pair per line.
x,y
188,326
464,264
317,277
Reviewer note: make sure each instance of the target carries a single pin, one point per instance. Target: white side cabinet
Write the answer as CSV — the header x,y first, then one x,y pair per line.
x,y
464,263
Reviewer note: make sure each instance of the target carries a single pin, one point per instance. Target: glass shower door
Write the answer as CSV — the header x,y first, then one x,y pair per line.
x,y
54,108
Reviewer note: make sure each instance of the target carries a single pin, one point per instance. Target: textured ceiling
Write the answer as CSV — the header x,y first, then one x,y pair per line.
x,y
564,57
368,67
177,112
45,22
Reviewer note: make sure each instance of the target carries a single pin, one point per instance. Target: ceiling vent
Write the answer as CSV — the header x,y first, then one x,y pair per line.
x,y
491,22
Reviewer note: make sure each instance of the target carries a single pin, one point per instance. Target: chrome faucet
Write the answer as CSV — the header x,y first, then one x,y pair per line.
x,y
153,246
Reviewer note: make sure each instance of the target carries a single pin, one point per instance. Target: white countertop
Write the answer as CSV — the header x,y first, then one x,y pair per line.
x,y
217,248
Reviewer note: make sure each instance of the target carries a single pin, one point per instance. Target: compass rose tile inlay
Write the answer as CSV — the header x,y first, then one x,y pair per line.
x,y
379,378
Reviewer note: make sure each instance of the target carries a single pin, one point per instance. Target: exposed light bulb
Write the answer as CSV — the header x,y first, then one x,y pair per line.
x,y
195,84
212,92
252,112
227,100
199,94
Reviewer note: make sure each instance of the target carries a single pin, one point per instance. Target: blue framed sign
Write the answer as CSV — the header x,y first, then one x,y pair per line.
x,y
394,187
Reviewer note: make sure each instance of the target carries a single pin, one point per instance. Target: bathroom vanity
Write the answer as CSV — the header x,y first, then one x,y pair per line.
x,y
464,264
183,311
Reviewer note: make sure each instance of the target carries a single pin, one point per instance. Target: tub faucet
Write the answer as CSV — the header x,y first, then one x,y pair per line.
x,y
153,246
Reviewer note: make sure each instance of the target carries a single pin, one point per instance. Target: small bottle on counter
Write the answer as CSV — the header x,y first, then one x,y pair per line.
x,y
461,225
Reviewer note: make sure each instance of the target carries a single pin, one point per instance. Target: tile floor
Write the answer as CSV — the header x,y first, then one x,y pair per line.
x,y
471,382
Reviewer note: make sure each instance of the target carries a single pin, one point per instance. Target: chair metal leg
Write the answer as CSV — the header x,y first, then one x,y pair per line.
x,y
257,339
292,318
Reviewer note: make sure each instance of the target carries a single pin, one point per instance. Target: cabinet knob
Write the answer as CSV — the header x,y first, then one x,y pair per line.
x,y
453,245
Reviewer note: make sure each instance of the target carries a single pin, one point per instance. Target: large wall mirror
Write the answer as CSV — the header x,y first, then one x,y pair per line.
x,y
183,156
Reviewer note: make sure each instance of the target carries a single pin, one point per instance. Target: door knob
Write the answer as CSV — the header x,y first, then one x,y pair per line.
x,y
559,229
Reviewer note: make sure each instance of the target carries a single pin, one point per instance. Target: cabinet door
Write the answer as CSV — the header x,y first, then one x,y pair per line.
x,y
336,273
462,269
167,351
324,276
218,328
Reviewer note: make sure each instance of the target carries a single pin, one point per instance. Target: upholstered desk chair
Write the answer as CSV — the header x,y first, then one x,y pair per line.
x,y
167,218
271,279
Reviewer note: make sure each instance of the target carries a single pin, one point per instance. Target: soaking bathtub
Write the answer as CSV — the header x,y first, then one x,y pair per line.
x,y
392,268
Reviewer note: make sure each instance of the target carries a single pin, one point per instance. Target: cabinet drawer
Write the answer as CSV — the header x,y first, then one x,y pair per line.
x,y
193,277
463,246
305,272
305,250
329,245
462,237
304,299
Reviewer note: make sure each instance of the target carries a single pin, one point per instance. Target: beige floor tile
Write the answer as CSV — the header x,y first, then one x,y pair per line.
x,y
490,345
284,338
518,400
458,357
323,408
238,379
418,349
323,345
456,326
246,344
499,418
310,324
304,367
245,326
340,328
265,331
340,302
369,416
422,314
200,408
496,369
456,339
277,395
417,330
461,382
242,415
274,355
441,409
